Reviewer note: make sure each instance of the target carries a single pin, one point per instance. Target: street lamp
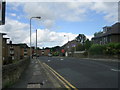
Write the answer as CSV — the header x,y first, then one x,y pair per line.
x,y
68,45
30,33
67,36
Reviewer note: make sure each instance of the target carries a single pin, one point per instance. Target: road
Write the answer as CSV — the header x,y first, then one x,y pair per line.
x,y
85,73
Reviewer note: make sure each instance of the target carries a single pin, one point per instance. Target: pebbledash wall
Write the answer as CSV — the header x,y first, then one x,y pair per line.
x,y
0,61
12,72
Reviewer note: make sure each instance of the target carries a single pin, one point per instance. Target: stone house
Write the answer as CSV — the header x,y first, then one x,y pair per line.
x,y
110,34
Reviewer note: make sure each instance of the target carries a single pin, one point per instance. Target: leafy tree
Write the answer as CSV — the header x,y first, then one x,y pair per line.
x,y
98,33
80,47
87,44
81,38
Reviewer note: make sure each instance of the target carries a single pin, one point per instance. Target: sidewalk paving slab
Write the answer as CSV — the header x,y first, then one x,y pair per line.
x,y
35,76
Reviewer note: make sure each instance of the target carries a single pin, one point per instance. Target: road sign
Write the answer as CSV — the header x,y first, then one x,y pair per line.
x,y
62,50
2,12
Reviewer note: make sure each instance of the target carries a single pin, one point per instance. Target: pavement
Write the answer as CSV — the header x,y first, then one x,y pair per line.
x,y
37,76
86,73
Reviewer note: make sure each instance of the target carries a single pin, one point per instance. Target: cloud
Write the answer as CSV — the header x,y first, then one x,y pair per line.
x,y
70,11
51,12
109,9
48,38
16,30
19,33
13,14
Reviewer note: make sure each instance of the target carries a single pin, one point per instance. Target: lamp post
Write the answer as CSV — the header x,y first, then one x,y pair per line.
x,y
36,43
67,46
30,34
67,36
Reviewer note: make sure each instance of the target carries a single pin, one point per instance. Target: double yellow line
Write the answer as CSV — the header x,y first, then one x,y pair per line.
x,y
61,79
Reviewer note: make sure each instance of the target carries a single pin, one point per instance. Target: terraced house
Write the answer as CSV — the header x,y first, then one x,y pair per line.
x,y
108,35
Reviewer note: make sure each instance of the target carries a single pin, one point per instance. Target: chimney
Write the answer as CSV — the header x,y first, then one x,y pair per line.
x,y
10,42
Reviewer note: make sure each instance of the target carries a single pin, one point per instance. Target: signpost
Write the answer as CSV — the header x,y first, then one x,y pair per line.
x,y
2,12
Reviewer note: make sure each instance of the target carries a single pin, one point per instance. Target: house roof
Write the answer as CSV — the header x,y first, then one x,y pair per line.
x,y
6,38
115,29
3,33
21,45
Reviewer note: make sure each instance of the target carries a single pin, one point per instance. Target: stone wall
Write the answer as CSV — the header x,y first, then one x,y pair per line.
x,y
105,56
0,61
12,72
81,55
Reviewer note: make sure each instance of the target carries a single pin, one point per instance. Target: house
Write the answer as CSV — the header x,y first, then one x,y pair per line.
x,y
18,51
24,50
68,47
3,48
13,51
43,52
110,34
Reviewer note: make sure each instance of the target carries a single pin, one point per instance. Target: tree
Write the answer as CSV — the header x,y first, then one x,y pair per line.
x,y
87,44
81,38
80,47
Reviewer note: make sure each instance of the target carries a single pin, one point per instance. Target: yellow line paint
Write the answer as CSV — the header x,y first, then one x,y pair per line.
x,y
61,77
61,80
57,77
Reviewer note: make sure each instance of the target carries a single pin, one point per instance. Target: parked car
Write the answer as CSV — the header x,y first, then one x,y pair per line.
x,y
50,55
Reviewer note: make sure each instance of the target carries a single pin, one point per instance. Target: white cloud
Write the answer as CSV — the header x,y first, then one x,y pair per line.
x,y
89,36
13,14
48,38
62,0
110,9
17,31
50,13
70,11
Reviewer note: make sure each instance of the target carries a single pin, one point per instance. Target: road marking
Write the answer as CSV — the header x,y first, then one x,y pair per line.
x,y
56,77
61,77
60,80
48,60
61,59
116,70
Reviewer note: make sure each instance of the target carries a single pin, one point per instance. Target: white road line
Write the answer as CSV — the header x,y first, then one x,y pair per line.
x,y
116,70
48,60
61,59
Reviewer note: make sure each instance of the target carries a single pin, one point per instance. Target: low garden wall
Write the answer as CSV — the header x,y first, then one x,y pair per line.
x,y
12,72
80,55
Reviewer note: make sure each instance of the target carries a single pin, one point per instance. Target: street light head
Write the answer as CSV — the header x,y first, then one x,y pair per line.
x,y
38,17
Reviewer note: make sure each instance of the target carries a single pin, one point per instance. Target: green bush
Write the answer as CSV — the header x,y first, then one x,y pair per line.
x,y
85,53
108,49
97,49
112,48
56,54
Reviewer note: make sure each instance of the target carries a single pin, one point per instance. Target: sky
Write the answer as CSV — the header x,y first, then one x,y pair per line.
x,y
59,21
